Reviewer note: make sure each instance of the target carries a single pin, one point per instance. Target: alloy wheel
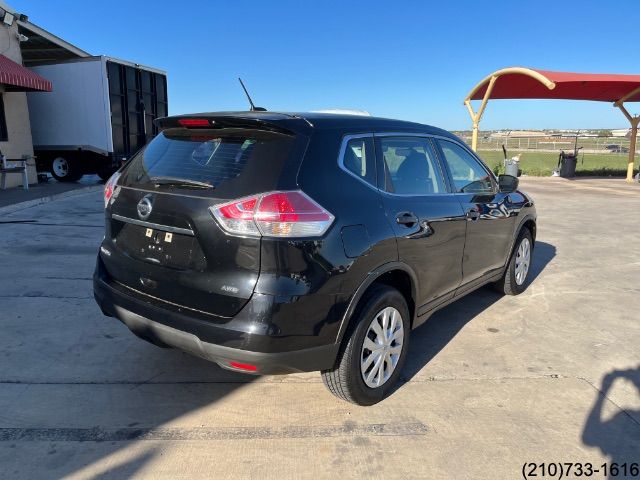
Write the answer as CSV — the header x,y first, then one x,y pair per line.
x,y
382,347
523,258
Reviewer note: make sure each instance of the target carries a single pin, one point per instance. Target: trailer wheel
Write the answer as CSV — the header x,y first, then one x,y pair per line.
x,y
65,170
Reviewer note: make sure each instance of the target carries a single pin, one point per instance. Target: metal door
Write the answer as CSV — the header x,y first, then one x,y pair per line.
x,y
137,97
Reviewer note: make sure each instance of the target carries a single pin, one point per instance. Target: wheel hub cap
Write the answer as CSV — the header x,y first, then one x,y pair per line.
x,y
61,167
382,347
523,258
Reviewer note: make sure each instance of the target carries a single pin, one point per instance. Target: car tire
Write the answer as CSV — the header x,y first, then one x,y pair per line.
x,y
65,170
355,362
514,280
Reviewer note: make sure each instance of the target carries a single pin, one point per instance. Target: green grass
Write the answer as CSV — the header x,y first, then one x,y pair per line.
x,y
541,164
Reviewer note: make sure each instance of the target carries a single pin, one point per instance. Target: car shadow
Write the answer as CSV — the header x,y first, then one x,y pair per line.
x,y
618,436
543,255
431,337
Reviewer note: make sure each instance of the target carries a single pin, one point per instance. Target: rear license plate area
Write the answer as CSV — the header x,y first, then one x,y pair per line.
x,y
160,247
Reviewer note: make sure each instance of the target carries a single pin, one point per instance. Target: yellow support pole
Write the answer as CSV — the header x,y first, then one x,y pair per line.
x,y
476,117
474,132
634,133
632,148
632,93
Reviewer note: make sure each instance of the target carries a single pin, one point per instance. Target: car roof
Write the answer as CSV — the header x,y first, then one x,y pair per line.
x,y
302,121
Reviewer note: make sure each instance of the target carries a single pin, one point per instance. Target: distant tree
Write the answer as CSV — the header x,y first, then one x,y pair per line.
x,y
604,133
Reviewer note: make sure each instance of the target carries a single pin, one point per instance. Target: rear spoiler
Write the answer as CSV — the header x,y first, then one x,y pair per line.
x,y
220,122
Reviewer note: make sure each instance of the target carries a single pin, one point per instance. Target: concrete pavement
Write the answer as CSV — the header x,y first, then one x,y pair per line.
x,y
16,198
491,383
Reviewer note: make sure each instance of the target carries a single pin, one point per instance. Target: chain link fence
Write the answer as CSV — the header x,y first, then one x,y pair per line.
x,y
550,143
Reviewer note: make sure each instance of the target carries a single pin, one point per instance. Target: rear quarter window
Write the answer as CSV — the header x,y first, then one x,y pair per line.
x,y
358,158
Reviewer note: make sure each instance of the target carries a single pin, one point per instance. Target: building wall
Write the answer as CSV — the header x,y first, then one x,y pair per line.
x,y
16,111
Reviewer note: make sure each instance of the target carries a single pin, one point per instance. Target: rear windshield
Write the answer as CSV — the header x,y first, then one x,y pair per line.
x,y
235,160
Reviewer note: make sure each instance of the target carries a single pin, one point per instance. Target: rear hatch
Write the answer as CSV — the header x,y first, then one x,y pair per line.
x,y
166,244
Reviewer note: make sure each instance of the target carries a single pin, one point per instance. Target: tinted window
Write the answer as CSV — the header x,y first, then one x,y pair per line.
x,y
219,159
410,166
359,159
468,174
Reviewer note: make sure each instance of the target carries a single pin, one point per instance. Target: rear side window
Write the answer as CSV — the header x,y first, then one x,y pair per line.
x,y
358,158
469,176
410,166
248,158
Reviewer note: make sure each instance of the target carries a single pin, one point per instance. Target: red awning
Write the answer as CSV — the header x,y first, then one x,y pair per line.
x,y
522,83
17,78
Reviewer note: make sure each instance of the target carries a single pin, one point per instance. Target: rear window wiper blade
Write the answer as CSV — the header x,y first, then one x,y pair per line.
x,y
177,181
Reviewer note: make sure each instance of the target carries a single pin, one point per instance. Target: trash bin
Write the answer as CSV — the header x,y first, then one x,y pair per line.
x,y
511,167
567,163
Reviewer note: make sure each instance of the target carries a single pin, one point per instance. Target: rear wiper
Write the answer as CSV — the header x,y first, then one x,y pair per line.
x,y
183,182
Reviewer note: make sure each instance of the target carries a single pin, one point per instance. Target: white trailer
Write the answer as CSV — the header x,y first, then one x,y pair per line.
x,y
100,112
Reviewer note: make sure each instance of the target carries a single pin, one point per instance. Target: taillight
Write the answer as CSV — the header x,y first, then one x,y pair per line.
x,y
274,214
110,187
237,217
291,214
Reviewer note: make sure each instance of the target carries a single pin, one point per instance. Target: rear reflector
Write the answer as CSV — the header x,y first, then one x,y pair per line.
x,y
243,366
194,122
274,214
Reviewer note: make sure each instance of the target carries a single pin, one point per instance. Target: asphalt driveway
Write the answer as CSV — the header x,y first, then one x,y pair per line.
x,y
492,382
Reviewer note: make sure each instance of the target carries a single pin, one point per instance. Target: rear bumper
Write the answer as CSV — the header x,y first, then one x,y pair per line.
x,y
219,342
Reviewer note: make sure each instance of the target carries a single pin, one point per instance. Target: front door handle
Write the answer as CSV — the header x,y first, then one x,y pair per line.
x,y
407,219
473,214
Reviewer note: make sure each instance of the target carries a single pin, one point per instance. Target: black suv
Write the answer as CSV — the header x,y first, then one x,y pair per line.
x,y
274,243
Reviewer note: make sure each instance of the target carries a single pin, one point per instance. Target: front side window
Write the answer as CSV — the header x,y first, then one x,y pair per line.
x,y
410,166
358,159
469,176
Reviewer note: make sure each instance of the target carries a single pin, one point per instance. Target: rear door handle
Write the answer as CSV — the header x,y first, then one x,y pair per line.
x,y
407,219
473,214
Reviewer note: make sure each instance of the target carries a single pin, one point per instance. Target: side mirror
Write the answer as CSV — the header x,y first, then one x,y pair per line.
x,y
508,183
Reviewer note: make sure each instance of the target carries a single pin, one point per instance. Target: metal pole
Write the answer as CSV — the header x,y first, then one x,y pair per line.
x,y
491,79
474,137
632,147
476,117
634,132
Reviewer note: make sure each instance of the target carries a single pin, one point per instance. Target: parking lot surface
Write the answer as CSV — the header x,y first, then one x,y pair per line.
x,y
14,199
492,382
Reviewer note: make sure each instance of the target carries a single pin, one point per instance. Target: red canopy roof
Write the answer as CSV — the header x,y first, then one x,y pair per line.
x,y
20,79
529,83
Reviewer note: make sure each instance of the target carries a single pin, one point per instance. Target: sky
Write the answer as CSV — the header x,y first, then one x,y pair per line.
x,y
412,60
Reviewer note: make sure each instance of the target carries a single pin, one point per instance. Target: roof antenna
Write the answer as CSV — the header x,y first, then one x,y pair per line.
x,y
253,107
